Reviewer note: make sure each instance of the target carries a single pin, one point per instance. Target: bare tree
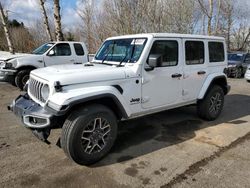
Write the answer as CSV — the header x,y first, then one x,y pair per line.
x,y
57,20
6,30
182,16
86,13
245,40
22,39
38,32
228,11
208,12
218,17
118,17
45,19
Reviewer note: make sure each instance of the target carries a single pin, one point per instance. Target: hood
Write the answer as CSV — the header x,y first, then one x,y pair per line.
x,y
5,56
74,74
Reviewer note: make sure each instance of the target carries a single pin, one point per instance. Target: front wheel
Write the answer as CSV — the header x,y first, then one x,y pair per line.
x,y
21,78
211,106
89,134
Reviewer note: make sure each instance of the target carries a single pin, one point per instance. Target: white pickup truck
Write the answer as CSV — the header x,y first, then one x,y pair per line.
x,y
16,69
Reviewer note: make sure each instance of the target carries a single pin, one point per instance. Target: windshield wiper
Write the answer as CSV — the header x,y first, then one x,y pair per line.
x,y
120,64
132,54
110,50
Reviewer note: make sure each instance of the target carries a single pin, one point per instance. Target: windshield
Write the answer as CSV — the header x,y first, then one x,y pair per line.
x,y
42,49
235,57
121,50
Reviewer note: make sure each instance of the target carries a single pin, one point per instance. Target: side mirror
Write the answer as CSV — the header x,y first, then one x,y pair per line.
x,y
153,61
51,53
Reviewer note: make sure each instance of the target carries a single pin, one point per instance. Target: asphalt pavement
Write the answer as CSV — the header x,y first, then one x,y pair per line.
x,y
169,149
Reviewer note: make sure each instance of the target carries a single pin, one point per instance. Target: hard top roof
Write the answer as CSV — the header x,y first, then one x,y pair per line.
x,y
168,35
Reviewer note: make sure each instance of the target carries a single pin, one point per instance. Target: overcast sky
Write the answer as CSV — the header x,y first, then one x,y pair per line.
x,y
28,11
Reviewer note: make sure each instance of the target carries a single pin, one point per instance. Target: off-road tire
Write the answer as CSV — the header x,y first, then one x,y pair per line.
x,y
204,106
21,78
77,123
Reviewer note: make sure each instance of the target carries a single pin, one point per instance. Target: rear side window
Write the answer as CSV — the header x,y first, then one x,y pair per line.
x,y
62,49
194,52
216,52
168,51
79,49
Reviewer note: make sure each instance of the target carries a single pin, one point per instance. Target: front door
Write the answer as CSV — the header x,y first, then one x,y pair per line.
x,y
162,86
62,54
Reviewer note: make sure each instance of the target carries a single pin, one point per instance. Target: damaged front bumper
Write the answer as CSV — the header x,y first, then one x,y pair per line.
x,y
4,73
34,116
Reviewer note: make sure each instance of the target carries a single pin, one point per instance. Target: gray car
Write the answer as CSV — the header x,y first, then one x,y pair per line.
x,y
237,64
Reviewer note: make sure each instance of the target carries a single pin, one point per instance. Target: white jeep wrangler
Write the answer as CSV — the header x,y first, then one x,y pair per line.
x,y
17,69
130,76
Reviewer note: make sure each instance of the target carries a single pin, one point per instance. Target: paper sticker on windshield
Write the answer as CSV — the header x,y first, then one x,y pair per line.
x,y
49,45
138,42
240,55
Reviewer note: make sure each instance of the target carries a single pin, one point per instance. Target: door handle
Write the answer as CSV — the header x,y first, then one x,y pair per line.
x,y
201,72
176,75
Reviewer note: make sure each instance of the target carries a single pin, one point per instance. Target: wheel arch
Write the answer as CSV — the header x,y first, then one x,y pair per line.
x,y
108,100
27,67
220,80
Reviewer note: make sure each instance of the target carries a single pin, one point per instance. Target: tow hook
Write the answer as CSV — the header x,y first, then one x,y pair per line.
x,y
10,107
42,134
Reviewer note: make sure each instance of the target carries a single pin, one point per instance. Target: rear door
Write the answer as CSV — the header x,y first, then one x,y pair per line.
x,y
62,55
80,54
162,86
195,68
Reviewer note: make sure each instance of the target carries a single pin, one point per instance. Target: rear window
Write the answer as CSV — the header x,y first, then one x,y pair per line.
x,y
79,49
216,52
194,52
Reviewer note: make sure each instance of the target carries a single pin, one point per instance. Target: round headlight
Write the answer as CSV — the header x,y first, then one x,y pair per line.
x,y
45,92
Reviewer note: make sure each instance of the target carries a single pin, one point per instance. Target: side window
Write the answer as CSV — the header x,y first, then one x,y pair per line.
x,y
79,49
62,49
216,52
195,53
247,59
168,51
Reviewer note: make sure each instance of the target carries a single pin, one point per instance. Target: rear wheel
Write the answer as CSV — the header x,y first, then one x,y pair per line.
x,y
88,134
211,106
239,72
21,78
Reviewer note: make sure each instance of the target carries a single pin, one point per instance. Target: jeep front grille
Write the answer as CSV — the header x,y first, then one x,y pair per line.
x,y
35,88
